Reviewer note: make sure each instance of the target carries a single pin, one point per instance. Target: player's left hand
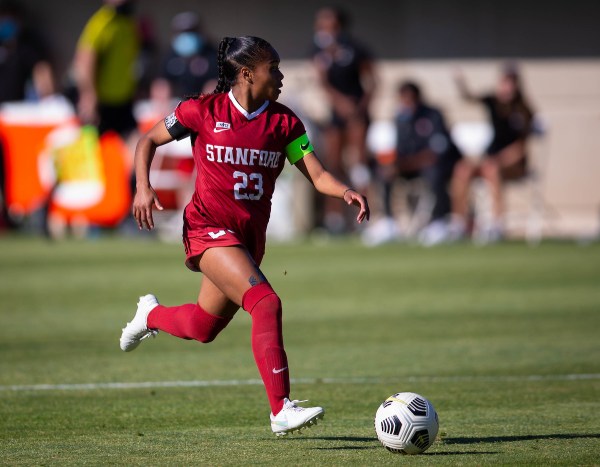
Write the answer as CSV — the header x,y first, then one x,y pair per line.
x,y
353,197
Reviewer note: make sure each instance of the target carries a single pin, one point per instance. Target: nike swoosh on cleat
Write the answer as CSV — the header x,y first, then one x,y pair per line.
x,y
280,370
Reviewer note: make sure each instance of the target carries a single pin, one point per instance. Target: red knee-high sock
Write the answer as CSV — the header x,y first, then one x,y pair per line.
x,y
264,306
187,321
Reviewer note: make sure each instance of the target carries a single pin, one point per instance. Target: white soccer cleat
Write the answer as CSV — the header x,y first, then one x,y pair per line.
x,y
293,418
137,330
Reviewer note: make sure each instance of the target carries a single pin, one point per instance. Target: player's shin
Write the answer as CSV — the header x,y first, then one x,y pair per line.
x,y
188,321
264,306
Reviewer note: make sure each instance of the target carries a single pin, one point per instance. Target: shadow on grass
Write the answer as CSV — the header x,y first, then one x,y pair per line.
x,y
345,439
458,453
353,439
504,439
376,445
347,448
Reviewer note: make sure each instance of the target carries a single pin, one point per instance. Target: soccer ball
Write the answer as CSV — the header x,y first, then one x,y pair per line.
x,y
406,423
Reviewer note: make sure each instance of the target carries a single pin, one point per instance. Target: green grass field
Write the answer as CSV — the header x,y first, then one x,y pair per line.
x,y
504,340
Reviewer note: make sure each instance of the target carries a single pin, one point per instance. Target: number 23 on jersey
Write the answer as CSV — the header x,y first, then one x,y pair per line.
x,y
249,186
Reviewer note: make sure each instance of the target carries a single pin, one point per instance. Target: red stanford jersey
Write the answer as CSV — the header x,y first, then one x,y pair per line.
x,y
238,157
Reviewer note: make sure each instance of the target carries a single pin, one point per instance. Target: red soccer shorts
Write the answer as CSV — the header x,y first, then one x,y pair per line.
x,y
200,240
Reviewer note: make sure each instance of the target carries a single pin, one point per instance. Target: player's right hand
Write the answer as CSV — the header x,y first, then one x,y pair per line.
x,y
143,202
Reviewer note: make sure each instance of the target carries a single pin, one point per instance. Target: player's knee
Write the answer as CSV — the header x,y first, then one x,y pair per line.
x,y
206,327
271,305
262,297
205,339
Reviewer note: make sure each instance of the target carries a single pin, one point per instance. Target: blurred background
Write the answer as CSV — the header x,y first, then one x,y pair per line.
x,y
64,173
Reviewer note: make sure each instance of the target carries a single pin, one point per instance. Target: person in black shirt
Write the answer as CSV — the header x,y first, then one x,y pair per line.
x,y
424,146
191,63
511,119
424,149
346,73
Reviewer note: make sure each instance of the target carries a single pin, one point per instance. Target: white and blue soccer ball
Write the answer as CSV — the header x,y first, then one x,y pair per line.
x,y
406,423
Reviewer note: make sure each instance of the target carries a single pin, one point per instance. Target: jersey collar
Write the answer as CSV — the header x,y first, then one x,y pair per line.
x,y
243,111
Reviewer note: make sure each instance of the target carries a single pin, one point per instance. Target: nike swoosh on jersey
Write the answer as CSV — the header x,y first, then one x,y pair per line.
x,y
219,130
280,370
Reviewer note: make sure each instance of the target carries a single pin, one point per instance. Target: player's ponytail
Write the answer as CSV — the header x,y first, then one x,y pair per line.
x,y
235,53
222,81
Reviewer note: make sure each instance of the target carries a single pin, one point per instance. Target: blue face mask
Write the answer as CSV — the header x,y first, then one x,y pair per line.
x,y
187,44
8,29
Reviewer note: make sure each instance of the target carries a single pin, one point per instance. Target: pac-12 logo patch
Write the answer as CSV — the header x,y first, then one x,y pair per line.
x,y
221,126
170,120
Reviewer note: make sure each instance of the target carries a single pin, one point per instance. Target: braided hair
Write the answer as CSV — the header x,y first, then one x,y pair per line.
x,y
234,54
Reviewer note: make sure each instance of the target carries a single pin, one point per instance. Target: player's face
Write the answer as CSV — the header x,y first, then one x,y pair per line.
x,y
268,78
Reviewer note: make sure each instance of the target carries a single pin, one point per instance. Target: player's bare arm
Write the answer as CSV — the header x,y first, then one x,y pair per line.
x,y
325,183
145,196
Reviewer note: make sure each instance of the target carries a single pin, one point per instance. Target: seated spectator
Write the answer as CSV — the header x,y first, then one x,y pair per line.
x,y
25,74
424,149
505,159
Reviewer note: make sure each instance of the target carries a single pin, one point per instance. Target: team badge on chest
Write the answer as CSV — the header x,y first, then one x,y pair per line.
x,y
221,126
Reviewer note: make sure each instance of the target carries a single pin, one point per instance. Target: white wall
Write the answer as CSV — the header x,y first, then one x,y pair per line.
x,y
565,94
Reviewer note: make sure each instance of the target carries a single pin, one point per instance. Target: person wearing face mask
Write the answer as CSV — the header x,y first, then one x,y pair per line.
x,y
105,68
346,73
191,64
424,149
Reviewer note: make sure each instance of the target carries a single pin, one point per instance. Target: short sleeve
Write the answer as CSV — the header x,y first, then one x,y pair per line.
x,y
437,120
91,37
184,119
487,100
188,113
175,128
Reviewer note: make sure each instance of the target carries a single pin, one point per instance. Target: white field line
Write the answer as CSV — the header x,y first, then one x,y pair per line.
x,y
258,382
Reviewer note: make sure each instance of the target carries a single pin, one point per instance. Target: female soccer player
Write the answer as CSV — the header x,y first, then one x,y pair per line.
x,y
240,140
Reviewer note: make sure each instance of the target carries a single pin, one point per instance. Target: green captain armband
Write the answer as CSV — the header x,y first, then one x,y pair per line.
x,y
298,148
